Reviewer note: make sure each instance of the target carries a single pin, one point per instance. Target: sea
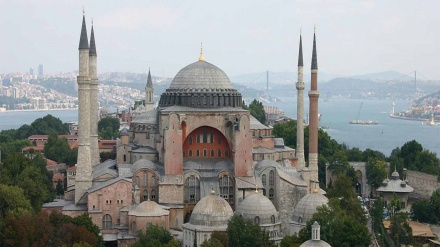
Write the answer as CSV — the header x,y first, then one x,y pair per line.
x,y
335,114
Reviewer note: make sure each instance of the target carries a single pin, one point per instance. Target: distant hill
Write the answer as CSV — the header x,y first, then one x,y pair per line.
x,y
385,76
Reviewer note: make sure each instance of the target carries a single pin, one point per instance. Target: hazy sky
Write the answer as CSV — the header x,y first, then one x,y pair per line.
x,y
353,36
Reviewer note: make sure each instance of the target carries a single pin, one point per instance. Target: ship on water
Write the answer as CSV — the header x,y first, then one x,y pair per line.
x,y
362,122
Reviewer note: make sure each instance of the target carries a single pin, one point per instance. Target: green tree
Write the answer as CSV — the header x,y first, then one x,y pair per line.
x,y
222,237
421,211
400,231
31,176
344,193
435,205
291,241
376,213
153,236
47,125
287,131
212,242
256,109
58,149
108,128
338,228
376,172
244,233
13,200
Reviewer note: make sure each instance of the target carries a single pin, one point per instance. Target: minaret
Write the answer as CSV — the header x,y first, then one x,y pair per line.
x,y
83,179
300,109
149,91
93,74
313,116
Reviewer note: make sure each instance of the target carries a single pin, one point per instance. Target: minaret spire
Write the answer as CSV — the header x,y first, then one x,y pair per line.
x,y
201,58
149,93
313,115
300,110
83,40
94,105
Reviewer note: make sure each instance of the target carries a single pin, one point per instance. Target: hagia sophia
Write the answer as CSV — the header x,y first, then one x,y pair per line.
x,y
194,161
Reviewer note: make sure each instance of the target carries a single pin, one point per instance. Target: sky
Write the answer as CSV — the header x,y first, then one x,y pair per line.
x,y
354,37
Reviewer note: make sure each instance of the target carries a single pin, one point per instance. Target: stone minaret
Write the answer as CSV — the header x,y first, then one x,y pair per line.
x,y
93,63
149,97
300,110
313,123
83,179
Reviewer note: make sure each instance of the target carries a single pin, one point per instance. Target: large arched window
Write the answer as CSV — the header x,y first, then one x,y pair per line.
x,y
263,179
153,195
153,181
212,153
205,153
190,153
107,221
145,178
192,190
198,153
136,180
145,195
271,194
227,188
271,177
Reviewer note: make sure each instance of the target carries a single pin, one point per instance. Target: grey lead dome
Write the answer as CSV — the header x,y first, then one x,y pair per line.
x,y
201,75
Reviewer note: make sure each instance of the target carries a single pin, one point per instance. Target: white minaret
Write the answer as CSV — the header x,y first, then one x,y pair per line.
x,y
83,179
149,94
300,110
93,74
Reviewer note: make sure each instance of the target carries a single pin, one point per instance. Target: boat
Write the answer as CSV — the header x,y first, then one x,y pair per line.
x,y
362,122
430,122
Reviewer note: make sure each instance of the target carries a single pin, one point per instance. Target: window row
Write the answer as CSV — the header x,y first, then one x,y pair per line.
x,y
197,153
153,180
271,178
192,189
205,138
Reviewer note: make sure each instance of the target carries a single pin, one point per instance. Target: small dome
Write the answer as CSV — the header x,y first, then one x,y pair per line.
x,y
315,243
201,75
258,205
395,175
124,132
211,211
148,208
307,206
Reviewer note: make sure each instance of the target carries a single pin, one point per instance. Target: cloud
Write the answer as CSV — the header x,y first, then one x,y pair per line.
x,y
158,17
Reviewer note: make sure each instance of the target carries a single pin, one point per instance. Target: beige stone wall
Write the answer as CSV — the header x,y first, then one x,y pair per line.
x,y
287,196
171,193
424,184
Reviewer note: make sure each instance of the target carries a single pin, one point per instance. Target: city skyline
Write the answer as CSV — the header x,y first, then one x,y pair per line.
x,y
354,37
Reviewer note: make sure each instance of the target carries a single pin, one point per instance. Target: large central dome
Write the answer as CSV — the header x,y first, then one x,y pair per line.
x,y
202,85
201,75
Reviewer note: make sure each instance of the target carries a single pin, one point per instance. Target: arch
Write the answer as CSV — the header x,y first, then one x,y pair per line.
x,y
226,185
206,137
192,189
107,221
257,220
271,194
272,219
263,179
145,195
145,179
153,195
271,177
136,180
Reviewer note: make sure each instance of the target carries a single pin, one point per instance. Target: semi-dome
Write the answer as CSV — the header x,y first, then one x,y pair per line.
x,y
201,75
257,205
307,206
148,208
211,211
201,84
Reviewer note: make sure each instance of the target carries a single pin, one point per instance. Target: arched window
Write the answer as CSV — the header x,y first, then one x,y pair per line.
x,y
136,180
227,188
271,194
183,153
212,152
153,195
219,153
145,195
133,227
190,153
205,153
153,181
125,157
257,220
263,179
205,237
192,190
227,153
198,153
272,219
190,140
145,182
107,221
271,177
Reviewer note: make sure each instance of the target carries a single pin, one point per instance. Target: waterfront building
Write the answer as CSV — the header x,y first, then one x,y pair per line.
x,y
197,140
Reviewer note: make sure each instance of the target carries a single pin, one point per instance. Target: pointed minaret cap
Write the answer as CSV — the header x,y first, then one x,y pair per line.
x,y
92,51
314,56
201,58
149,81
83,41
300,54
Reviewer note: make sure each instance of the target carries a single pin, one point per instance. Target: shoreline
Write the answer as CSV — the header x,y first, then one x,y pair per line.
x,y
36,110
408,118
